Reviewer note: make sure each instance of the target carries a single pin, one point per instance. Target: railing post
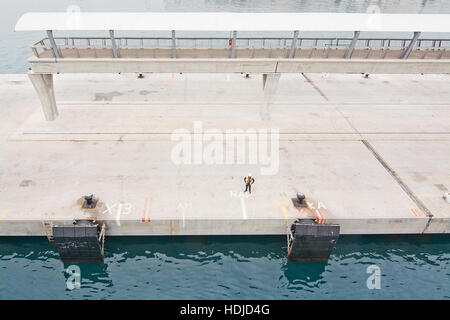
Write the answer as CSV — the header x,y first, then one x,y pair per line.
x,y
293,45
411,45
56,51
352,46
233,45
113,44
174,45
35,52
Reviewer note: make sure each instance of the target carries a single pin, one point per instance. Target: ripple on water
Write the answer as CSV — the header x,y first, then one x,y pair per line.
x,y
229,268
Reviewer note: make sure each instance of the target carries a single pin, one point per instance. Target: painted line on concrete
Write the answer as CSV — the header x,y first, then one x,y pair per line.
x,y
147,210
317,213
184,219
119,209
183,206
319,216
4,213
284,208
244,209
415,211
285,213
183,215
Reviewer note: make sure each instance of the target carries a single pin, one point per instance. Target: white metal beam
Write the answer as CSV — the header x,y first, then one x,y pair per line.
x,y
225,21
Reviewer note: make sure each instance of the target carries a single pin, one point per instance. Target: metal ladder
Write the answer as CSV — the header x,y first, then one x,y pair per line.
x,y
48,228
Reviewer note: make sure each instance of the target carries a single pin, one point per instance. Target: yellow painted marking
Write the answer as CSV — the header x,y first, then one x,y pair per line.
x,y
283,207
4,213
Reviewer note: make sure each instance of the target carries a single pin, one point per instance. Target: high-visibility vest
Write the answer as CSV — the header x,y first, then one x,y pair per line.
x,y
249,179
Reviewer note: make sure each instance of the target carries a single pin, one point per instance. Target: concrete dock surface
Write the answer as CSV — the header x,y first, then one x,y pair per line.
x,y
372,154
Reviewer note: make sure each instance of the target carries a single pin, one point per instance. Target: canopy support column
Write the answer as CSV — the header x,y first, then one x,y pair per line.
x,y
233,45
294,45
352,46
411,45
43,84
55,49
174,45
114,44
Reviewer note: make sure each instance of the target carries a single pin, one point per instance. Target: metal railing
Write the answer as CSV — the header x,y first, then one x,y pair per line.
x,y
81,43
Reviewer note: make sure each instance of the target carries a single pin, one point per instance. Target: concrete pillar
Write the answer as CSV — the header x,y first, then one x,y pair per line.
x,y
270,85
43,83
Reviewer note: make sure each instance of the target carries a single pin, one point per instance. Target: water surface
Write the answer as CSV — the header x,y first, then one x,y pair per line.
x,y
230,267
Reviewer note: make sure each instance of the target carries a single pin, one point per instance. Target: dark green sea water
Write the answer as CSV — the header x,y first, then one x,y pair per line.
x,y
230,267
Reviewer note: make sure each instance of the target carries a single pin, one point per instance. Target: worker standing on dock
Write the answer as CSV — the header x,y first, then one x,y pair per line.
x,y
248,183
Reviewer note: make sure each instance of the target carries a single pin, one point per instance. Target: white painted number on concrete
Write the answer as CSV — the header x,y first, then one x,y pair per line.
x,y
374,280
74,280
122,208
183,206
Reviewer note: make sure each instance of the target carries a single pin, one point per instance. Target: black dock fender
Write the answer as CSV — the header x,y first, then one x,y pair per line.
x,y
309,240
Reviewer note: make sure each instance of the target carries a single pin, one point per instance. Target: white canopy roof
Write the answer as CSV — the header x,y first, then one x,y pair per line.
x,y
225,21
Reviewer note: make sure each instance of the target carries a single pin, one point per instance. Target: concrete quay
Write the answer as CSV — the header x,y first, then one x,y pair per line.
x,y
373,153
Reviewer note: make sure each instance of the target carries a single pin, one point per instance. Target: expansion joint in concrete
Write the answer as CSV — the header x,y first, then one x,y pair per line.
x,y
428,224
402,184
315,87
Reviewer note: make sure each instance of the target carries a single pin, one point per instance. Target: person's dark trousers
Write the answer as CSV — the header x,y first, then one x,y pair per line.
x,y
248,187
